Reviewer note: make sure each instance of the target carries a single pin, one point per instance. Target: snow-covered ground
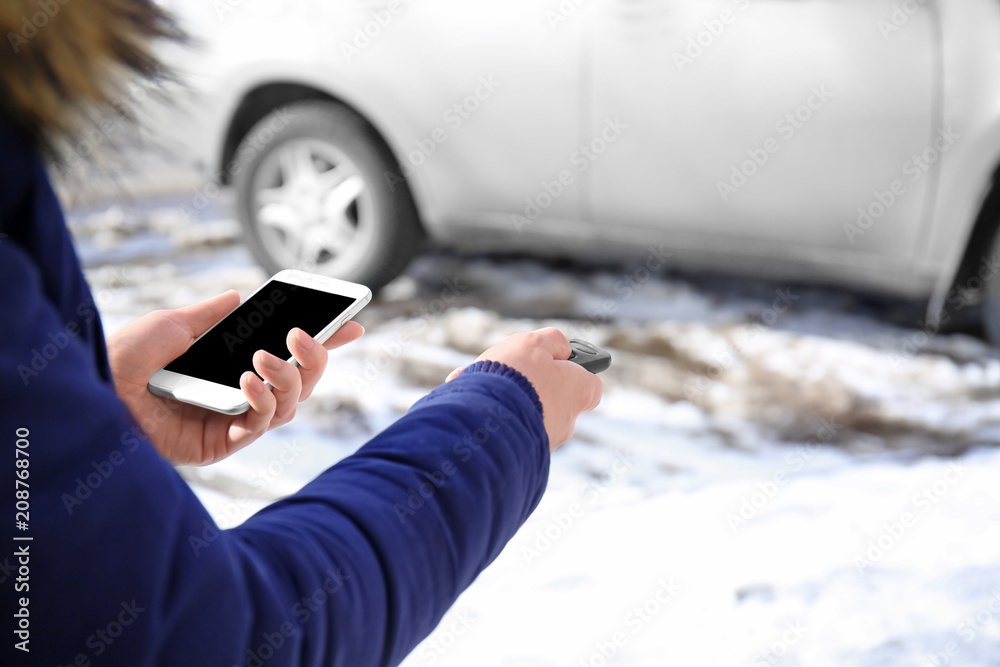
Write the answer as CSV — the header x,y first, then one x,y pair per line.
x,y
777,475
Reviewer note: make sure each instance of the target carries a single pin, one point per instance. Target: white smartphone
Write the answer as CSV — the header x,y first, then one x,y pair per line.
x,y
208,374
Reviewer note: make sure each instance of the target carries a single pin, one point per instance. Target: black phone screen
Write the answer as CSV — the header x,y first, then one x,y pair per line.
x,y
262,322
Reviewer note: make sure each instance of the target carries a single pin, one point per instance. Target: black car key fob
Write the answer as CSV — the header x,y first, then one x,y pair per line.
x,y
588,355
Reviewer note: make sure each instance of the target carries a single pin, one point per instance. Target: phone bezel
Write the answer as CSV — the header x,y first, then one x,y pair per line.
x,y
229,400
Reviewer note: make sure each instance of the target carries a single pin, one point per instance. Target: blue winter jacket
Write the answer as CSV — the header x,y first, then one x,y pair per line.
x,y
108,558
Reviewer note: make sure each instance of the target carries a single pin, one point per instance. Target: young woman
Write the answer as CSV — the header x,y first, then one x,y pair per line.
x,y
110,559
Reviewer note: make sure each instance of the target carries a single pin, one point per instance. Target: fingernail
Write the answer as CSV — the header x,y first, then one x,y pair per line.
x,y
270,361
251,384
305,340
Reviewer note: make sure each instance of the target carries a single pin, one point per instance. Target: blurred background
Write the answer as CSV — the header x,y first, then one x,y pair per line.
x,y
777,215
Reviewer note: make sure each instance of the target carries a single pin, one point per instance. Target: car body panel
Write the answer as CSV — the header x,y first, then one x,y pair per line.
x,y
489,178
842,108
503,80
490,70
971,105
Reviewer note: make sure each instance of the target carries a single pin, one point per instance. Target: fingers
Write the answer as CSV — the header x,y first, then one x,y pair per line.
x,y
583,393
311,357
262,405
154,340
286,383
270,408
200,316
351,331
592,390
587,388
553,341
583,387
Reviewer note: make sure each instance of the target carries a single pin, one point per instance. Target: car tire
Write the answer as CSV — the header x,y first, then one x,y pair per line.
x,y
318,190
991,301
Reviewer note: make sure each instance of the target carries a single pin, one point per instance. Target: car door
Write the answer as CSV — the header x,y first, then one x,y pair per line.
x,y
767,126
480,101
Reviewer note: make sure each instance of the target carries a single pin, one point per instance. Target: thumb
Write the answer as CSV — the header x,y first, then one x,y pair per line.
x,y
198,317
152,341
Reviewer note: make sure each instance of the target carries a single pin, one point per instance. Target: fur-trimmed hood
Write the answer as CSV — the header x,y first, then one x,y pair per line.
x,y
64,60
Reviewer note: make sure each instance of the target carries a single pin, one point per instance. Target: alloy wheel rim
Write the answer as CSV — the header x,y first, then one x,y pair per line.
x,y
313,209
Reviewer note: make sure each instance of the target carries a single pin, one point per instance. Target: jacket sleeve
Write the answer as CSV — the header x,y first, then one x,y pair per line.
x,y
125,566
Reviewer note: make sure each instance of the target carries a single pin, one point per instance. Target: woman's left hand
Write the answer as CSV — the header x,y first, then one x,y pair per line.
x,y
185,434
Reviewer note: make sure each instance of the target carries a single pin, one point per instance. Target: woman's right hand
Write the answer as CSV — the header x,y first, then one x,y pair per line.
x,y
564,388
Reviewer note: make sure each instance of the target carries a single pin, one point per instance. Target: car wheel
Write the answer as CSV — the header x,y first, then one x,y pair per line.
x,y
991,303
314,196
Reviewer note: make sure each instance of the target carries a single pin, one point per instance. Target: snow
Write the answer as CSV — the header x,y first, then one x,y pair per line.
x,y
806,491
